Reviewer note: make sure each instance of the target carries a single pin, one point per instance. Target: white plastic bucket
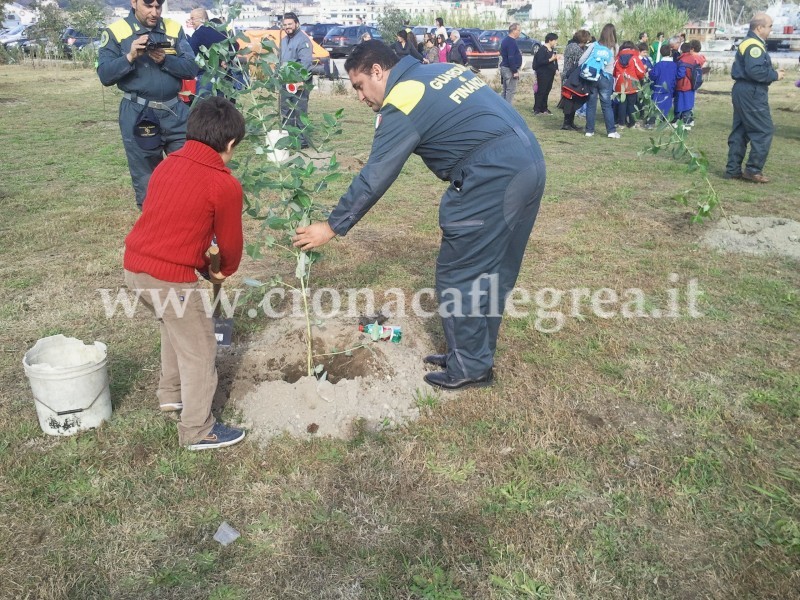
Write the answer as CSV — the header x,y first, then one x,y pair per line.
x,y
277,155
69,381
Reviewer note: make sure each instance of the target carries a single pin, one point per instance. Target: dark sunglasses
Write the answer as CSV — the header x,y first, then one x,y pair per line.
x,y
151,2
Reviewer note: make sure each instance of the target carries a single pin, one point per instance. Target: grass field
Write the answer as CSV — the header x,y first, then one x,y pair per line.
x,y
615,458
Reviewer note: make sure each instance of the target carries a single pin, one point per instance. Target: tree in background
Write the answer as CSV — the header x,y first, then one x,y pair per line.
x,y
633,21
87,16
568,21
391,21
50,25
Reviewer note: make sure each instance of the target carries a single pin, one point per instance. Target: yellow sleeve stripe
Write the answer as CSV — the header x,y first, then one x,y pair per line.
x,y
405,96
750,42
121,30
172,28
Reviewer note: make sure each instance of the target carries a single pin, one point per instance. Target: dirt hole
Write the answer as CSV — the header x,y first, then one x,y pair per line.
x,y
376,385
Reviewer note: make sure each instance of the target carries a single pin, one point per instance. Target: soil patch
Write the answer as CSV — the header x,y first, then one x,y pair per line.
x,y
756,235
372,386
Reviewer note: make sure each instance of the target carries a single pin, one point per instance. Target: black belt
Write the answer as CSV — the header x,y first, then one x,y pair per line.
x,y
151,103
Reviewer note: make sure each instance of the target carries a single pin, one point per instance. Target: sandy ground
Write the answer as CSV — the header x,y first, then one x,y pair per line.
x,y
756,235
375,386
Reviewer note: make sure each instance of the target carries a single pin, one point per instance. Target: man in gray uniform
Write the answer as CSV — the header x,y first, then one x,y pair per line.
x,y
295,47
147,57
753,73
467,135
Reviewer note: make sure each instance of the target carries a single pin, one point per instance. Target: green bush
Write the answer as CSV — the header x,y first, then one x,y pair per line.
x,y
665,18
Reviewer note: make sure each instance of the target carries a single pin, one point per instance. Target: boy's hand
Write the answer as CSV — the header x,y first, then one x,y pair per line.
x,y
313,236
215,277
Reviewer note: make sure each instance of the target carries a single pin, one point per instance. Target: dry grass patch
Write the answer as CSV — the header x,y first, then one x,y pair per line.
x,y
615,457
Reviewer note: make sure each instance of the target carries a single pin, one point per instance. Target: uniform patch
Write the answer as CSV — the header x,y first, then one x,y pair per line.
x,y
378,120
756,52
104,38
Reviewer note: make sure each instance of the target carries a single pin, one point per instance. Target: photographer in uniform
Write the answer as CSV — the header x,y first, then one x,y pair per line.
x,y
147,57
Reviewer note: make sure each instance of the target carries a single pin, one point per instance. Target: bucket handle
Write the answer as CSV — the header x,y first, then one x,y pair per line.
x,y
74,410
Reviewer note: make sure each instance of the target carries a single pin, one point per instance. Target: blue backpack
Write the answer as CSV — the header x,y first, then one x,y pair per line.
x,y
592,68
694,73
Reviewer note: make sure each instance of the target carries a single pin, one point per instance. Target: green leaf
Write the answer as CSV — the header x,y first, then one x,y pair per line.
x,y
319,368
249,281
276,222
302,262
253,250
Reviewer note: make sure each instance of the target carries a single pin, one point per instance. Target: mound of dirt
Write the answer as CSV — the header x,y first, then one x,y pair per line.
x,y
756,235
374,385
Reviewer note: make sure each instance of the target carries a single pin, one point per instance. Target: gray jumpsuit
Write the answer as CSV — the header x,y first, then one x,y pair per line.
x,y
468,135
753,73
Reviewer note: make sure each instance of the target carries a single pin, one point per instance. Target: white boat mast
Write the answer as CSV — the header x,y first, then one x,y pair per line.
x,y
719,12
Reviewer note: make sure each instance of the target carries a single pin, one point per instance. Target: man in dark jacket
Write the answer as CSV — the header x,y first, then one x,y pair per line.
x,y
752,73
545,63
510,62
458,50
467,135
204,36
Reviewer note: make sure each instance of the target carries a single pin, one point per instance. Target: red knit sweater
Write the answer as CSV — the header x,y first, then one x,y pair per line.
x,y
192,197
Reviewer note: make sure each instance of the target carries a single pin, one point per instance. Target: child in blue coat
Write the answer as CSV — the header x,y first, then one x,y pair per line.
x,y
663,77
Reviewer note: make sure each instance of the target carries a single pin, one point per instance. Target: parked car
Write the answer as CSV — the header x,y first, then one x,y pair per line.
x,y
317,31
340,41
15,34
73,40
478,56
420,30
492,38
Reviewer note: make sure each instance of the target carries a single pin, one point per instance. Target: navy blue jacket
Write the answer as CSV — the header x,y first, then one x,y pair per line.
x,y
205,35
144,77
441,112
752,62
510,56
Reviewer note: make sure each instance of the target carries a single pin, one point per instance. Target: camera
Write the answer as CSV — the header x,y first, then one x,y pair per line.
x,y
151,45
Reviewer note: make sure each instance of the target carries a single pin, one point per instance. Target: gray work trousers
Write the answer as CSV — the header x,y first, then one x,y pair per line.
x,y
142,163
486,217
293,106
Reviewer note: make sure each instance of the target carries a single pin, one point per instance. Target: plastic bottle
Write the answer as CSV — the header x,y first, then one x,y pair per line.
x,y
385,332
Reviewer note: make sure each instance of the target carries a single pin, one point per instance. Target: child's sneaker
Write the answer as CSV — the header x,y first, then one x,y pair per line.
x,y
614,135
219,437
589,133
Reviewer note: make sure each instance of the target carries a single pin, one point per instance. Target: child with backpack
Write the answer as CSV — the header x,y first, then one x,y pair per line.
x,y
663,77
629,70
689,77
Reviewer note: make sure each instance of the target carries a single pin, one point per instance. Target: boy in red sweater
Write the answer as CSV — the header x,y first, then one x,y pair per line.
x,y
192,198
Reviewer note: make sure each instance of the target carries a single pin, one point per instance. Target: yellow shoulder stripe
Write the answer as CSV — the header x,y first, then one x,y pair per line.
x,y
121,30
405,96
750,42
172,28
